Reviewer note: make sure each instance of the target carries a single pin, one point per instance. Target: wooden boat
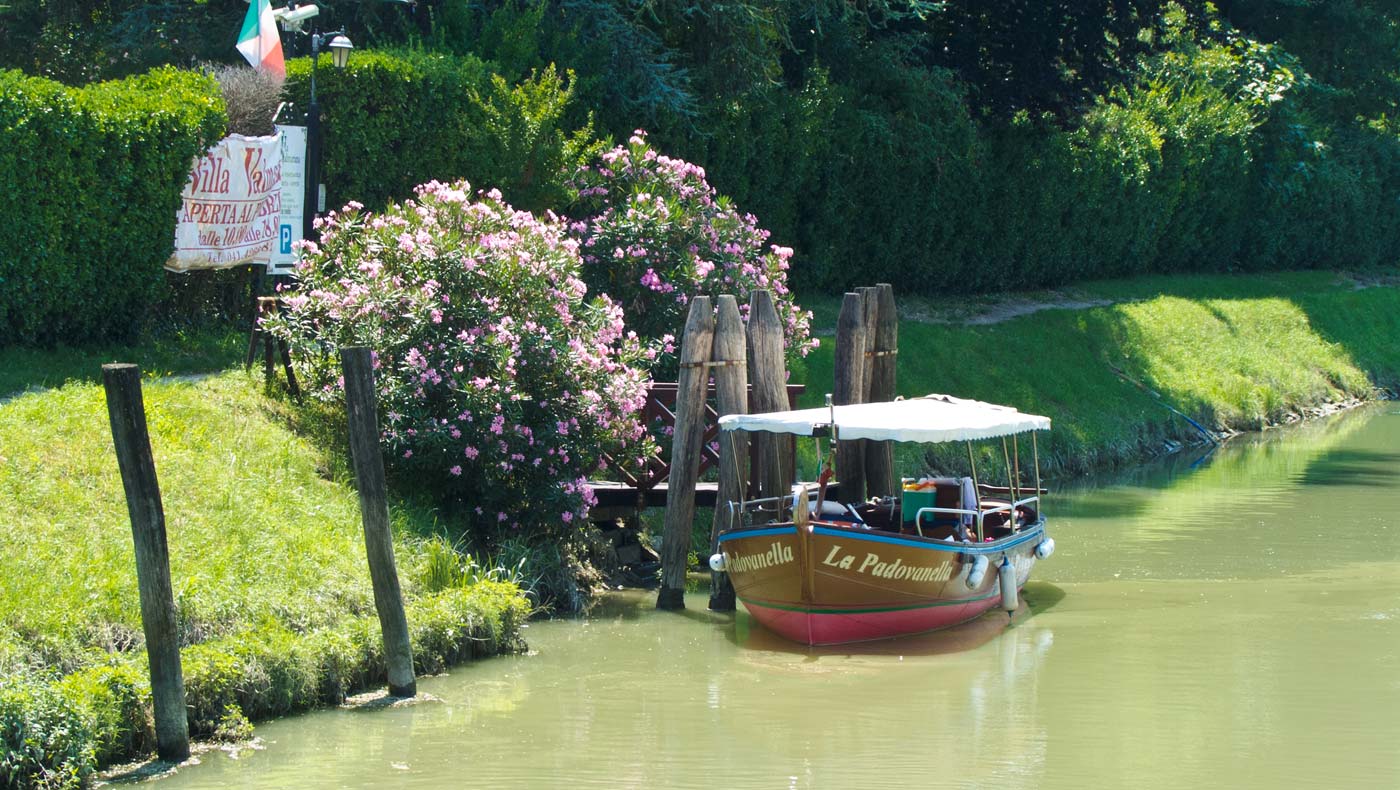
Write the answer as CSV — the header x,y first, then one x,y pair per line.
x,y
941,552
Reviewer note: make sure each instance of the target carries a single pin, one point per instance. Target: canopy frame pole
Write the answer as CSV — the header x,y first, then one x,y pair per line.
x,y
972,462
1010,485
1006,459
1016,459
734,450
1035,453
1016,492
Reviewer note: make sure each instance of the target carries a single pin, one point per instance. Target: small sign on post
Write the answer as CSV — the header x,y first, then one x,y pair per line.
x,y
283,259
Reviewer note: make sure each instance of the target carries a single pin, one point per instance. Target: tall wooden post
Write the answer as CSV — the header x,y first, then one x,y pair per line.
x,y
879,456
360,402
850,374
731,388
870,310
773,470
127,414
696,343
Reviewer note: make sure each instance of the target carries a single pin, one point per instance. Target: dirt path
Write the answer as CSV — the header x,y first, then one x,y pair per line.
x,y
994,308
187,378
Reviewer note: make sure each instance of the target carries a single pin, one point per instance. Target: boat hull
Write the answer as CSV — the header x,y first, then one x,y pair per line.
x,y
825,583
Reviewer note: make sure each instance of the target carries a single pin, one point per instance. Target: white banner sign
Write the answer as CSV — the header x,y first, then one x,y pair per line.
x,y
231,208
283,261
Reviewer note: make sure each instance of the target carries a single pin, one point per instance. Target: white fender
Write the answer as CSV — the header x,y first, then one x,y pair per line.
x,y
1007,574
1045,548
978,572
717,563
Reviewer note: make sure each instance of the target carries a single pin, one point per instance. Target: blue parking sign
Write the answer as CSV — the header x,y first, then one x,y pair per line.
x,y
285,240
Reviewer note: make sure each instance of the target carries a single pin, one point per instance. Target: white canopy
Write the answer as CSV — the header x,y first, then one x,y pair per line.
x,y
932,418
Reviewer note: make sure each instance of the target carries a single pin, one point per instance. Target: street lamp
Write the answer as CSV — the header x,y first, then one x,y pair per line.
x,y
340,51
340,47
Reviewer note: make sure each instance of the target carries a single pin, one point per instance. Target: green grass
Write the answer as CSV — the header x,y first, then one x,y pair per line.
x,y
175,353
256,534
1233,352
271,584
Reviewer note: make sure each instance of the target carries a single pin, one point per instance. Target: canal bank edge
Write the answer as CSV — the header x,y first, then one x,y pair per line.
x,y
1142,367
268,566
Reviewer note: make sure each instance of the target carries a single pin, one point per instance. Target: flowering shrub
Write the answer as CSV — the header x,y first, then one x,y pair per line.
x,y
499,385
653,233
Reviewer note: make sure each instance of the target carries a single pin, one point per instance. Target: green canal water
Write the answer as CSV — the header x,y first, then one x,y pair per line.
x,y
1233,623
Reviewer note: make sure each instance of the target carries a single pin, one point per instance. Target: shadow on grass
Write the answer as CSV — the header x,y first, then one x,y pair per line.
x,y
174,354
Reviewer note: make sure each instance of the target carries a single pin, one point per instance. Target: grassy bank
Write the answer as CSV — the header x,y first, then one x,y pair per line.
x,y
1233,352
168,354
271,583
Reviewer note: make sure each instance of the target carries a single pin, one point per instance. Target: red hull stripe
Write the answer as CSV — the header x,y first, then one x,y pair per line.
x,y
866,610
825,628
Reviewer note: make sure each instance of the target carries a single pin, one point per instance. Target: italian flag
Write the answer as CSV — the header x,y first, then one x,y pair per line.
x,y
258,41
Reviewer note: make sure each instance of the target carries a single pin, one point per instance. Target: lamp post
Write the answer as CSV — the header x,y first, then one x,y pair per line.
x,y
340,47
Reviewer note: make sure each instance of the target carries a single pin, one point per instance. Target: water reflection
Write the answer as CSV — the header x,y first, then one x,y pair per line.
x,y
1229,625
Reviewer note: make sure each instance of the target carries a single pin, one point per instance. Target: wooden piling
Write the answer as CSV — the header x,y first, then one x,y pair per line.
x,y
773,454
870,309
696,343
879,456
127,414
360,401
850,374
732,392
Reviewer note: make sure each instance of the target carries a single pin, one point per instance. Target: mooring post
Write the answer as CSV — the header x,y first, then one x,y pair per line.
x,y
879,456
127,413
696,343
850,374
360,402
870,310
732,392
773,465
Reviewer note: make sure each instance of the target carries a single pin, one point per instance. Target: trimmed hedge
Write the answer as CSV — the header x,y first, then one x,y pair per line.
x,y
54,734
396,119
90,179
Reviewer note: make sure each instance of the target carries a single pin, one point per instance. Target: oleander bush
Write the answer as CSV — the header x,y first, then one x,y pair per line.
x,y
500,380
653,234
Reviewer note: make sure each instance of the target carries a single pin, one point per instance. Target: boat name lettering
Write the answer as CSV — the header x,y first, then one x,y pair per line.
x,y
777,554
871,565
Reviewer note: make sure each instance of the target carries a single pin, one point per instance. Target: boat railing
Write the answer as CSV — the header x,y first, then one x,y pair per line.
x,y
978,515
774,505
